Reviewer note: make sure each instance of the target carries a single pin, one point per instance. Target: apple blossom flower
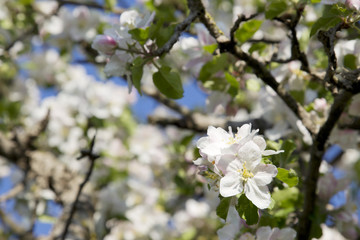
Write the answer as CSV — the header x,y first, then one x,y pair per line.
x,y
247,175
104,44
266,233
216,147
353,4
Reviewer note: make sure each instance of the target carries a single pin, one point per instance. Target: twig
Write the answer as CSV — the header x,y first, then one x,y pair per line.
x,y
167,102
90,4
327,38
239,20
14,227
12,193
264,40
199,122
92,157
21,37
259,69
194,12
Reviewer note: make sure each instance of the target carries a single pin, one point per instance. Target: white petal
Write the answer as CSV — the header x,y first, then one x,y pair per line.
x,y
264,173
244,130
250,153
234,166
258,195
263,233
200,161
202,142
232,226
217,133
271,152
230,185
260,141
224,161
287,234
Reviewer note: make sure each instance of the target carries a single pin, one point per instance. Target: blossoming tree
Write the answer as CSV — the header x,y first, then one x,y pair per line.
x,y
273,153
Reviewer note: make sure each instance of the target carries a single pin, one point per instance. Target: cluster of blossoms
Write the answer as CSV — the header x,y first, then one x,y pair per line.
x,y
235,160
234,227
117,44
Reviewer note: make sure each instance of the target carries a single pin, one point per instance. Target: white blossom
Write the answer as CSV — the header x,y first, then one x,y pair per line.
x,y
247,175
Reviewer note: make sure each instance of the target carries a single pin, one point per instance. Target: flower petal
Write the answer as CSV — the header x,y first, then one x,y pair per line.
x,y
287,233
230,185
232,226
250,153
263,233
244,130
271,152
224,161
258,195
260,141
264,173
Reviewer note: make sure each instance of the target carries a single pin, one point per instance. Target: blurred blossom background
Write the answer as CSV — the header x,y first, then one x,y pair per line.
x,y
145,185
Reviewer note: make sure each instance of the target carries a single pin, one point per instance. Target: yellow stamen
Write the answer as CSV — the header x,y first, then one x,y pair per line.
x,y
246,174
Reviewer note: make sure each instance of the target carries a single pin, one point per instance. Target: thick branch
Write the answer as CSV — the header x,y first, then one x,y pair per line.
x,y
259,69
199,122
317,151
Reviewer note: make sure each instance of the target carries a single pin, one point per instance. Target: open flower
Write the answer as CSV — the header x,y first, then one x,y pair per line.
x,y
247,175
219,148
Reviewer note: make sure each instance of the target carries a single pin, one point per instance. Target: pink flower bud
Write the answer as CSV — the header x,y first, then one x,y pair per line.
x,y
353,4
320,104
104,44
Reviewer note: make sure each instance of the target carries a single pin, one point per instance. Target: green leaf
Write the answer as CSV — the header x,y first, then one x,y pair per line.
x,y
223,208
332,15
324,23
247,30
218,63
275,8
161,34
299,95
231,80
350,61
286,198
315,1
210,48
288,176
260,47
168,83
140,35
288,146
26,2
110,4
247,210
137,72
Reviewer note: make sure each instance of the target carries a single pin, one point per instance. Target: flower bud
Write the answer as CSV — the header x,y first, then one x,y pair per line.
x,y
353,4
320,105
104,44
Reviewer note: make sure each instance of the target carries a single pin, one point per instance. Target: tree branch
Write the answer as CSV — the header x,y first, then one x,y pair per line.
x,y
92,157
327,38
151,92
194,12
200,122
317,151
259,69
